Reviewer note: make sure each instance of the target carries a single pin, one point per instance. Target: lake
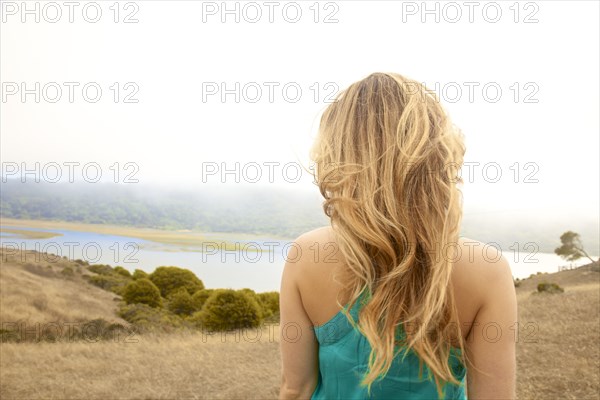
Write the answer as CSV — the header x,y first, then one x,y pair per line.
x,y
255,262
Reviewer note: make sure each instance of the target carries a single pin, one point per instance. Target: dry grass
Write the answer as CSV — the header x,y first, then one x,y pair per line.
x,y
558,349
33,290
156,367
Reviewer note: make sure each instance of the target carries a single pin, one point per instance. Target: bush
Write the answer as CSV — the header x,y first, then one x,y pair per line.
x,y
228,309
101,269
122,271
139,274
114,283
169,279
68,272
199,298
142,291
269,302
545,287
180,303
253,295
146,318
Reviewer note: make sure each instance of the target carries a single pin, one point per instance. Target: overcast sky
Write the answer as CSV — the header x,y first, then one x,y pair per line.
x,y
520,79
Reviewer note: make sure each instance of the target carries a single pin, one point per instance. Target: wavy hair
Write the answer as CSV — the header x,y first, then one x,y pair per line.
x,y
386,160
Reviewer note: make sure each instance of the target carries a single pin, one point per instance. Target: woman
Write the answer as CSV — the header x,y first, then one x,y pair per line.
x,y
389,302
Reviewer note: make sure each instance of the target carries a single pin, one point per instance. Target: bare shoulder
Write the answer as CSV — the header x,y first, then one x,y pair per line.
x,y
312,248
322,234
480,261
481,272
310,263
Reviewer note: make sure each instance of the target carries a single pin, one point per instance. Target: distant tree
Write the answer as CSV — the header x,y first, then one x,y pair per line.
x,y
170,279
142,291
572,248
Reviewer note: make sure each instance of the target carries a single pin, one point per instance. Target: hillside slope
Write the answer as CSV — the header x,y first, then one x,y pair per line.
x,y
37,289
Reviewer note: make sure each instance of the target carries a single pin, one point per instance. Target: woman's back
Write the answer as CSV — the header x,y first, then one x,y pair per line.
x,y
343,352
343,360
386,162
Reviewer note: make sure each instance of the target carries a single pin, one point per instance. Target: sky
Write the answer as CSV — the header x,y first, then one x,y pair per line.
x,y
189,88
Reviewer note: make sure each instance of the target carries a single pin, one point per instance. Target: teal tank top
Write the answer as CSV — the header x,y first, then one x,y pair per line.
x,y
343,359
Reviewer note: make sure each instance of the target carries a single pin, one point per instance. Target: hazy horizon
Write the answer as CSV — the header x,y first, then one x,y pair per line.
x,y
186,85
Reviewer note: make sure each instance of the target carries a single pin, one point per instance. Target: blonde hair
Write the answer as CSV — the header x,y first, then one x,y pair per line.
x,y
386,159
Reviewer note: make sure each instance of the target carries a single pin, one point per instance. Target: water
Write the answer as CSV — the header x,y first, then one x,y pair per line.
x,y
217,266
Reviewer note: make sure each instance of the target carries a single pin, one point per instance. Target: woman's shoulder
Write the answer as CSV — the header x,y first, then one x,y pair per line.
x,y
481,276
314,247
479,265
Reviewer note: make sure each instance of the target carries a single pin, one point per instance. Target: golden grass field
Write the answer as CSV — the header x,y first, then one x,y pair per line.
x,y
558,350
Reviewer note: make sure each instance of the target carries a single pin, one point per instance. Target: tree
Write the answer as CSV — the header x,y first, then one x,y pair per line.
x,y
170,279
572,248
142,291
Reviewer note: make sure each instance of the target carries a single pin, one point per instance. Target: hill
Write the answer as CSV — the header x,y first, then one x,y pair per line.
x,y
257,210
36,289
558,350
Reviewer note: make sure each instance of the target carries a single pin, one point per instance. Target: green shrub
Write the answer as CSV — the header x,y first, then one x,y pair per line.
x,y
122,271
139,274
114,283
228,309
169,279
101,269
146,318
68,272
200,297
269,302
180,302
142,291
80,262
253,295
545,287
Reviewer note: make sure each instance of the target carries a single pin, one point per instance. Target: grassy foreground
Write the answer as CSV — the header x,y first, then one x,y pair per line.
x,y
558,350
